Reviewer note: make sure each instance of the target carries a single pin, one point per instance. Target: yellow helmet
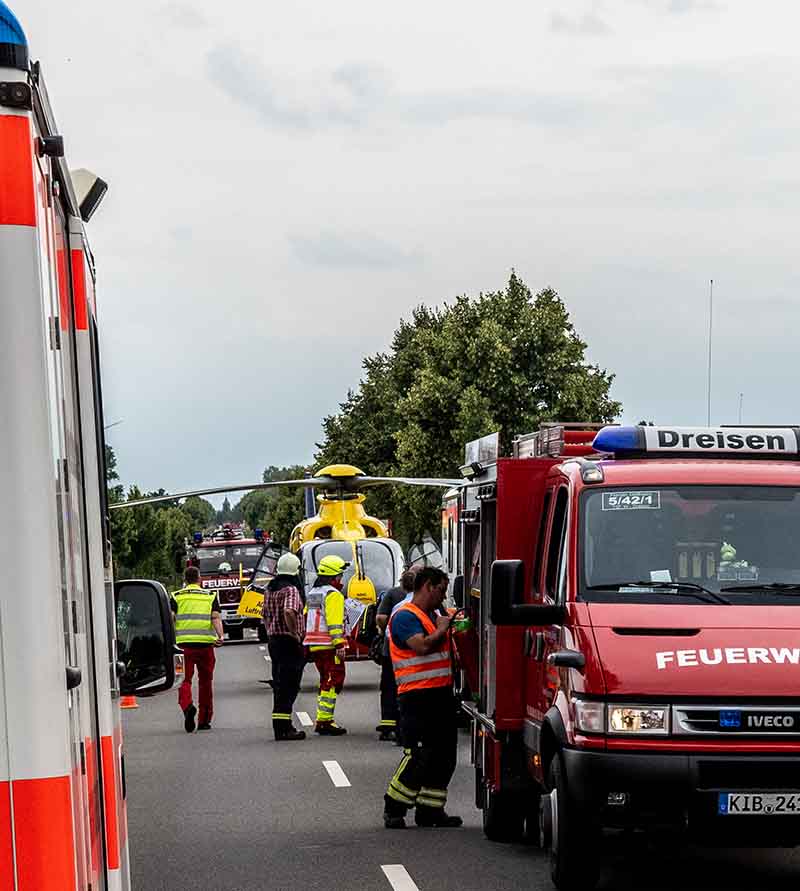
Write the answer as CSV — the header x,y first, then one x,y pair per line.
x,y
331,566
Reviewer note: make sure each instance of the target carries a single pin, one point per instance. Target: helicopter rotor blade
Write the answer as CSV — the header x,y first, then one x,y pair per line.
x,y
369,481
319,483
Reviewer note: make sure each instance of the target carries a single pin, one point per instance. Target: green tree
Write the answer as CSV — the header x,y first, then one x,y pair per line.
x,y
503,361
276,510
201,512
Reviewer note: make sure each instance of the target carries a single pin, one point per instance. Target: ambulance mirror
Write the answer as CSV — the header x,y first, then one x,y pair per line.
x,y
145,637
458,591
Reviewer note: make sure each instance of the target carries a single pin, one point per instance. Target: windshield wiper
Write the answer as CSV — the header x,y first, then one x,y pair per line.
x,y
789,589
688,589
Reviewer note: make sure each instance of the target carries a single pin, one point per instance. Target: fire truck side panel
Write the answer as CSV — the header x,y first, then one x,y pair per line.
x,y
99,561
32,477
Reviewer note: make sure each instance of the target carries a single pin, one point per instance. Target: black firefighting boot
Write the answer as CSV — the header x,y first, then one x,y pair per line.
x,y
435,817
189,714
329,728
284,731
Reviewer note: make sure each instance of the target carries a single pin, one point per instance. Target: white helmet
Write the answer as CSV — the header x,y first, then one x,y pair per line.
x,y
225,567
288,565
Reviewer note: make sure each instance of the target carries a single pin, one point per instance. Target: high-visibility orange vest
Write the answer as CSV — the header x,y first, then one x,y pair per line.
x,y
415,672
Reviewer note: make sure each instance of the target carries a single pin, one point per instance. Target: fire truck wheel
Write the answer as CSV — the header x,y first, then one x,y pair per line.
x,y
236,632
503,816
572,838
262,634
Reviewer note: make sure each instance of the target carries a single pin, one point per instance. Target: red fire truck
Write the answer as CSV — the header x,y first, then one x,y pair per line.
x,y
65,662
637,638
226,560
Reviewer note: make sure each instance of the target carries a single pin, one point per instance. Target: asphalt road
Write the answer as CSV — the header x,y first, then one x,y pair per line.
x,y
231,810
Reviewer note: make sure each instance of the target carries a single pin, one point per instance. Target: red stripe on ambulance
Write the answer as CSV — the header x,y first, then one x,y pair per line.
x,y
110,792
45,843
79,291
17,200
6,840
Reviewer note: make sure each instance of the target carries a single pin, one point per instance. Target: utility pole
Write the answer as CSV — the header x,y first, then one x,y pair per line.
x,y
710,331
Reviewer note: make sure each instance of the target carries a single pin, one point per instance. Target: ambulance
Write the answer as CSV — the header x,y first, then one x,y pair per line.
x,y
79,643
637,639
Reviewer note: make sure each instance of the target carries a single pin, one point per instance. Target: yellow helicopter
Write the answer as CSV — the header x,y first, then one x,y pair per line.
x,y
341,526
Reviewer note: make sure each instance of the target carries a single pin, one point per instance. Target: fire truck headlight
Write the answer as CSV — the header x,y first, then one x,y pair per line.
x,y
648,720
590,717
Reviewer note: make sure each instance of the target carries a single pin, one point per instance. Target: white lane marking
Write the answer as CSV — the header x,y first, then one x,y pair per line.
x,y
336,774
263,649
305,719
267,659
399,878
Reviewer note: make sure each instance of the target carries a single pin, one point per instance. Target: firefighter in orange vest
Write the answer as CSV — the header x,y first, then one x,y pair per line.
x,y
420,650
326,641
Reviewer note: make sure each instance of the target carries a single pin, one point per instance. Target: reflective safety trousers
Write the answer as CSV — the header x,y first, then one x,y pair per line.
x,y
415,672
193,619
325,618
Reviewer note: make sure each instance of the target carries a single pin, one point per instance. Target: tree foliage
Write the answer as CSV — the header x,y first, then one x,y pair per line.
x,y
503,361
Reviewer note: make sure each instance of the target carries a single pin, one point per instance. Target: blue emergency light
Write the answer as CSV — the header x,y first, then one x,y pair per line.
x,y
198,537
699,442
13,43
730,718
259,534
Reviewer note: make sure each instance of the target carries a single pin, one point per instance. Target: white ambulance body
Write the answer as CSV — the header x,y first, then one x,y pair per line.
x,y
62,795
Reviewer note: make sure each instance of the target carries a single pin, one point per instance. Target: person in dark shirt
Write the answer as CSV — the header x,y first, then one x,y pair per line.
x,y
387,729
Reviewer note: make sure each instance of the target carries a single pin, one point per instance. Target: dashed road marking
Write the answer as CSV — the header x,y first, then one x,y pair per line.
x,y
399,878
305,719
267,659
263,649
336,774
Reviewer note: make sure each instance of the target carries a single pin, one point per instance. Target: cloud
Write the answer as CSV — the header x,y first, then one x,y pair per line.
x,y
182,15
587,25
356,94
332,250
680,7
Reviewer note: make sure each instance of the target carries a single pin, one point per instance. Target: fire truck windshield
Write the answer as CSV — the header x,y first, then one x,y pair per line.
x,y
209,559
739,540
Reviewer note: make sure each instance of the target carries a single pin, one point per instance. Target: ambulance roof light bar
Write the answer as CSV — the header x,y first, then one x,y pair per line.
x,y
699,442
13,43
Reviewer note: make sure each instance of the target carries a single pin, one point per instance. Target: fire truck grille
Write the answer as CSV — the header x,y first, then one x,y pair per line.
x,y
757,775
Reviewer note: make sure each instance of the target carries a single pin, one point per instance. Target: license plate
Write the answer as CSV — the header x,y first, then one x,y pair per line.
x,y
764,804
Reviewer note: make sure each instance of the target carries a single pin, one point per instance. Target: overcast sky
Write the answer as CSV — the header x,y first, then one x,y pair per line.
x,y
288,180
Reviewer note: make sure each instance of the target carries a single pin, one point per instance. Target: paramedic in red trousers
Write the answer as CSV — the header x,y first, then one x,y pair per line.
x,y
420,649
326,641
198,630
282,614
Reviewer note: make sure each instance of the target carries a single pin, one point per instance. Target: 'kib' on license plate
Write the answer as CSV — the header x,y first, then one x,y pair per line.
x,y
766,804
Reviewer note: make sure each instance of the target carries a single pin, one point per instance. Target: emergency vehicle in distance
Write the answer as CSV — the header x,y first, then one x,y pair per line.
x,y
63,824
636,600
226,559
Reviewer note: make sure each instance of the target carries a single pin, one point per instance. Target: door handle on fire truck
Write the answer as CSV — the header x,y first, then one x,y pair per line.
x,y
567,659
73,677
534,645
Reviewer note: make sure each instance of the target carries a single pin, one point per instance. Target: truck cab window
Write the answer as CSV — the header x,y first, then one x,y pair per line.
x,y
555,545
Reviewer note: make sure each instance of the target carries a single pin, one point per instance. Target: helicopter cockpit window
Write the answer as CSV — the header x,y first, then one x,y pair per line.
x,y
315,553
382,563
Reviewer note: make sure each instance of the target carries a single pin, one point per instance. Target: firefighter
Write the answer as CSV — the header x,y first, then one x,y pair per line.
x,y
283,619
326,641
420,650
387,729
198,630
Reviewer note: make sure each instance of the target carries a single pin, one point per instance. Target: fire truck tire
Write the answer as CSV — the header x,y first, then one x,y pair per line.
x,y
262,633
236,632
570,835
503,816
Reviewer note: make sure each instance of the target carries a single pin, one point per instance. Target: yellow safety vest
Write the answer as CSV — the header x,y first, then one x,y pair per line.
x,y
193,620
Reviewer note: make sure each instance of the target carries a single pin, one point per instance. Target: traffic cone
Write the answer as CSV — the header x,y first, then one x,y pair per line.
x,y
128,702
